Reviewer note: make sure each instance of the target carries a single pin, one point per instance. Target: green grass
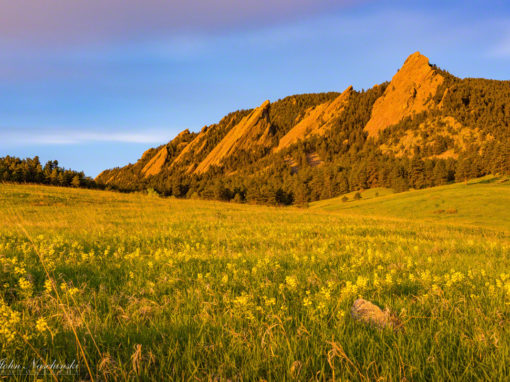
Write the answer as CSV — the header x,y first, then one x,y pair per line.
x,y
168,289
483,202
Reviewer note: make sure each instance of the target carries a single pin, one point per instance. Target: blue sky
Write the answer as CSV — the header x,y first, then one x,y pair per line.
x,y
95,83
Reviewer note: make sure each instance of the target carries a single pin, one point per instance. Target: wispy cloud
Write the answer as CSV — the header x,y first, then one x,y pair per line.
x,y
17,137
64,21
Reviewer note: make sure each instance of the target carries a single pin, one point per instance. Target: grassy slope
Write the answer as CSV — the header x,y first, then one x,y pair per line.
x,y
482,202
215,291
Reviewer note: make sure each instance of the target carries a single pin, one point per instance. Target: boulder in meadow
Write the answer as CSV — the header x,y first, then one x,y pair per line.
x,y
368,313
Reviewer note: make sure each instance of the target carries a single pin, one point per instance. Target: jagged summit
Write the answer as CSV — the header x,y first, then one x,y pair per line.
x,y
416,59
253,131
156,163
317,120
408,93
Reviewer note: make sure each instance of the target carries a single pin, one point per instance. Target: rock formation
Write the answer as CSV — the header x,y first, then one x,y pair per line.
x,y
409,92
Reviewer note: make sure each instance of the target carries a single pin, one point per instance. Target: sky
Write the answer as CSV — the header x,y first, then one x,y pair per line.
x,y
95,83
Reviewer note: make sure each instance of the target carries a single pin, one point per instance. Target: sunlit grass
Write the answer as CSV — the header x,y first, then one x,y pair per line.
x,y
481,202
178,289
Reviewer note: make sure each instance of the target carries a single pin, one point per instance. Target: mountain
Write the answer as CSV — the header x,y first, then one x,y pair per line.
x,y
317,121
253,132
425,127
409,93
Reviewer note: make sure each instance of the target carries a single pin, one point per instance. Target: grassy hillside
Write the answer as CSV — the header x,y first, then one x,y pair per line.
x,y
132,286
482,202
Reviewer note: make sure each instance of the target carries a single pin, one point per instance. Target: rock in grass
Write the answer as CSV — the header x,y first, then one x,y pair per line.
x,y
368,313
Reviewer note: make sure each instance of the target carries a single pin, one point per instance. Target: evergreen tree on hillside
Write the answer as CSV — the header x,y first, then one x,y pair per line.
x,y
440,173
417,173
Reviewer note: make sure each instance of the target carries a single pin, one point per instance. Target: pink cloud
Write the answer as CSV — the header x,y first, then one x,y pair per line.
x,y
77,21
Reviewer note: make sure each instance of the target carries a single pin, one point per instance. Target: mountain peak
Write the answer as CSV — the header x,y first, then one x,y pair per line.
x,y
252,131
416,67
183,133
408,93
156,163
317,121
416,59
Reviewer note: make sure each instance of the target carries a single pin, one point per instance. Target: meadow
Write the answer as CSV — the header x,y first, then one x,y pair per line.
x,y
483,202
131,286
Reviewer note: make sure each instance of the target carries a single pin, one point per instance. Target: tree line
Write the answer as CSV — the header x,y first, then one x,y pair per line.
x,y
30,170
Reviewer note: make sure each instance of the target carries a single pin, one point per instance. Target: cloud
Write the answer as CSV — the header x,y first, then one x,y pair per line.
x,y
42,137
78,21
